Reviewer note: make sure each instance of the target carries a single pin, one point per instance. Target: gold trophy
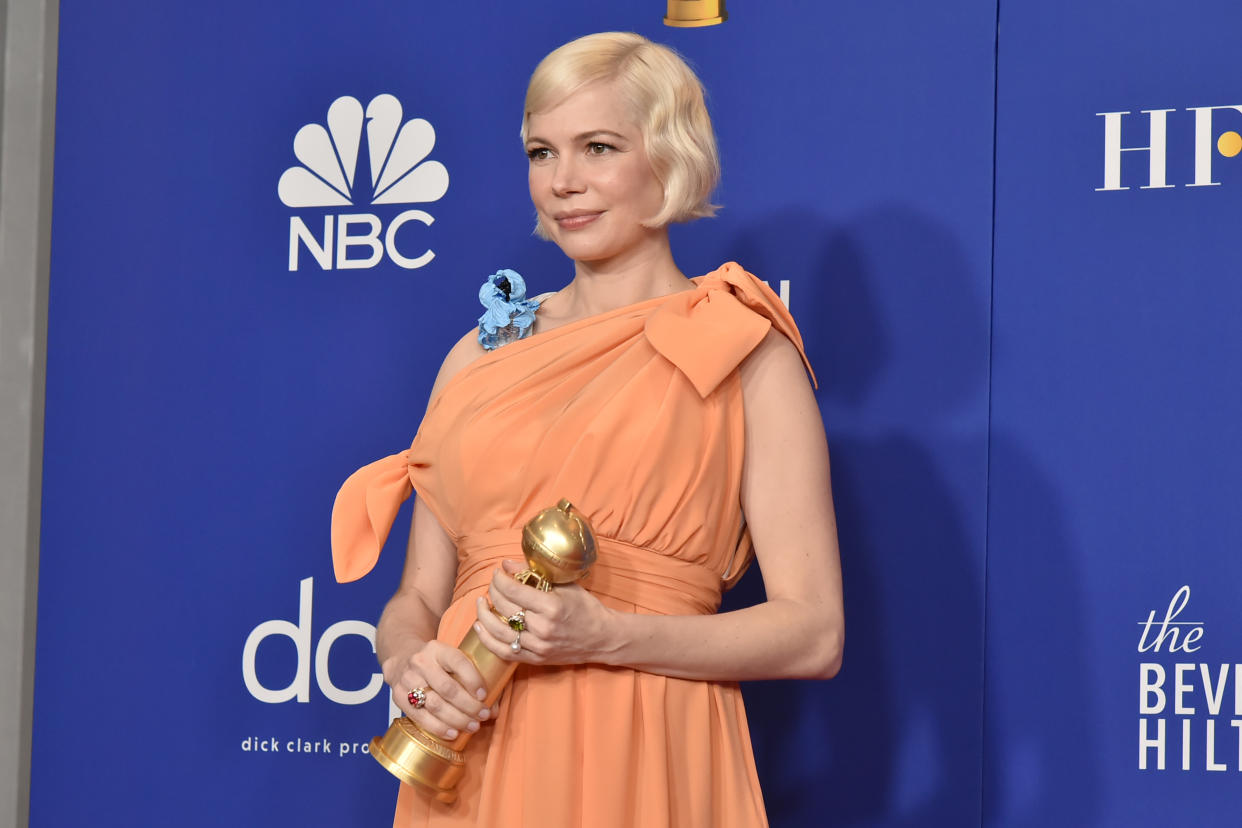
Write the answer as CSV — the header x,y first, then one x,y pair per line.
x,y
690,13
559,547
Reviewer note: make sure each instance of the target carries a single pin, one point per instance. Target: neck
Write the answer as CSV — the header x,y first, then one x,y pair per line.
x,y
643,272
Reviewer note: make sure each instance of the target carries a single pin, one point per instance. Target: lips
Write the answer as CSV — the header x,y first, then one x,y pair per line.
x,y
576,219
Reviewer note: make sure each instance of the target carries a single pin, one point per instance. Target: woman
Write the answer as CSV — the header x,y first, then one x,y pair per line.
x,y
665,409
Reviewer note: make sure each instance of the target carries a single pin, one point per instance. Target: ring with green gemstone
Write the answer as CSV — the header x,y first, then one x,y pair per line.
x,y
517,621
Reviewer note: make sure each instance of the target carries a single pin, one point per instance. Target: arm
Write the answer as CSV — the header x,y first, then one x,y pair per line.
x,y
405,638
798,632
412,615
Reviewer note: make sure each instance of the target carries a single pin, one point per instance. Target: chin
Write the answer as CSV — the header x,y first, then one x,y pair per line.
x,y
588,250
582,248
591,254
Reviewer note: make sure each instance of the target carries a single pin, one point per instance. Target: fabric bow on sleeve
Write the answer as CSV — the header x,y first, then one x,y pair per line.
x,y
707,332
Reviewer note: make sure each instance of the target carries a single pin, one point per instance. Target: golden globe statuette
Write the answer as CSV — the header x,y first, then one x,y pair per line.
x,y
559,547
688,13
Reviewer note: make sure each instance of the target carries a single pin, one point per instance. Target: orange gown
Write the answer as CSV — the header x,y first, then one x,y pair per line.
x,y
634,415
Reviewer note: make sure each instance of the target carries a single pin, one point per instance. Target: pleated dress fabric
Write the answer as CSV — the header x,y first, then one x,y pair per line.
x,y
634,415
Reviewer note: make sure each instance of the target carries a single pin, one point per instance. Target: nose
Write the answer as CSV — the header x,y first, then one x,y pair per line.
x,y
566,178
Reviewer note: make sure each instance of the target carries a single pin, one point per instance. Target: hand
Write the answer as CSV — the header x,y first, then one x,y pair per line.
x,y
565,626
453,686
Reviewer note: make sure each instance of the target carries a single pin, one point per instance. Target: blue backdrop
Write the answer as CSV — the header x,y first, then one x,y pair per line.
x,y
1115,419
1025,378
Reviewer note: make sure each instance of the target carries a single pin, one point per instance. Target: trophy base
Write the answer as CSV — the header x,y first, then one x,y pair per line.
x,y
691,24
691,13
416,758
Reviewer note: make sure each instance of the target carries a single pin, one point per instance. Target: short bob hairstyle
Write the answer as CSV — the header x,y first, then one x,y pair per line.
x,y
665,98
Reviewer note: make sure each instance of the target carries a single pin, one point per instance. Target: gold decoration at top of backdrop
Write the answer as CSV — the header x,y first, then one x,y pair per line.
x,y
685,13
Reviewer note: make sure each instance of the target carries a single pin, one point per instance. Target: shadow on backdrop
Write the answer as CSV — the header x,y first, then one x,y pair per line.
x,y
896,328
1032,778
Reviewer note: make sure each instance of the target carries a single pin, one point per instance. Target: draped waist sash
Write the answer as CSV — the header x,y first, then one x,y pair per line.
x,y
653,582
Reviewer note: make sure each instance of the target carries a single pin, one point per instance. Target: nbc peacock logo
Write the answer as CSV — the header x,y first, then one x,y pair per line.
x,y
329,175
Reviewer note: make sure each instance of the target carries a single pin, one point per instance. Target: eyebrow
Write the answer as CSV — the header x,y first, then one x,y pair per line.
x,y
582,136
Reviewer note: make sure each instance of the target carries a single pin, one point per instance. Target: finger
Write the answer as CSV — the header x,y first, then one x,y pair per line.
x,y
498,629
524,596
449,693
433,724
498,603
459,665
437,712
425,718
491,643
446,716
549,620
483,610
401,697
498,638
504,582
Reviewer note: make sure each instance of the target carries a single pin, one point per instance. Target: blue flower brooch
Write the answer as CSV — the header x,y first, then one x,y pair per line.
x,y
508,314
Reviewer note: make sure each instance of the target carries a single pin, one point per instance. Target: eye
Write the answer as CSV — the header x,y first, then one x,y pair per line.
x,y
599,148
538,153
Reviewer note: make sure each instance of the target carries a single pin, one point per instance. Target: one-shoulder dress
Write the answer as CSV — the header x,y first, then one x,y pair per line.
x,y
634,415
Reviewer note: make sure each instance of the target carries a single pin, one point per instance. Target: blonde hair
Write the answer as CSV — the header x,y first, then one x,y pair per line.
x,y
665,97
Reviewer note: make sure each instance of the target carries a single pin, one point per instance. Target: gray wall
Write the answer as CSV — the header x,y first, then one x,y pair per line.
x,y
26,120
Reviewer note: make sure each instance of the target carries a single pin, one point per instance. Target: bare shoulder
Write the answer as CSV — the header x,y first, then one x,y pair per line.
x,y
777,397
466,351
774,364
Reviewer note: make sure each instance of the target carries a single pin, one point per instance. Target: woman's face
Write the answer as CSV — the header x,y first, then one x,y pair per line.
x,y
590,179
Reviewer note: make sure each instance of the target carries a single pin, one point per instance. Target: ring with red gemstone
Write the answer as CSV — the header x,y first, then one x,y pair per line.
x,y
417,697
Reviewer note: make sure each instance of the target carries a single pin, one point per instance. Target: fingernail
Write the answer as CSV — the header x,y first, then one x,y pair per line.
x,y
480,694
472,727
484,714
479,629
451,733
